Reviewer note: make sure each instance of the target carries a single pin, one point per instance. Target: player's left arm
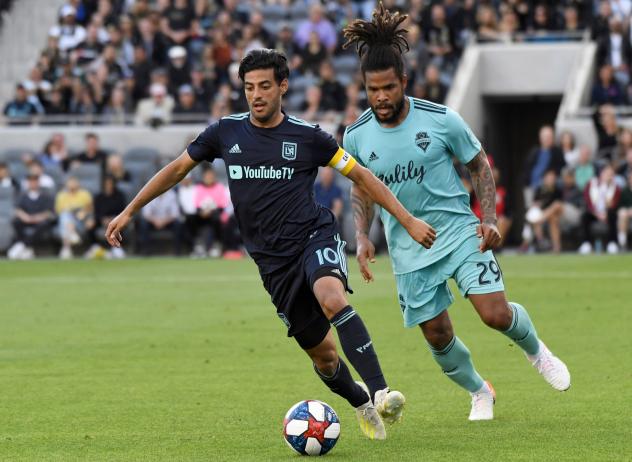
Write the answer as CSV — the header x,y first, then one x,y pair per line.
x,y
485,190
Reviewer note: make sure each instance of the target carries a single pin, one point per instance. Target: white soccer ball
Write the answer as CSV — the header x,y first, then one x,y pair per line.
x,y
311,428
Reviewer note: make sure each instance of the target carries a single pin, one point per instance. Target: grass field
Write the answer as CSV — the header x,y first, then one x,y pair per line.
x,y
181,360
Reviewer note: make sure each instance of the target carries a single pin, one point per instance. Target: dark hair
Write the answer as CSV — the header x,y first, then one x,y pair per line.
x,y
265,58
379,43
92,135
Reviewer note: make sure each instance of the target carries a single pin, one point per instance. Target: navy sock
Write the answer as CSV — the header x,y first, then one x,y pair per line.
x,y
342,384
358,348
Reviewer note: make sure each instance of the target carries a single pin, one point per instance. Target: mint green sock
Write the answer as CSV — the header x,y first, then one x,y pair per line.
x,y
522,330
456,363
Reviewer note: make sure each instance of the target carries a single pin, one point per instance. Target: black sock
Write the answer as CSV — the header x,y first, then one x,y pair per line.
x,y
358,348
342,384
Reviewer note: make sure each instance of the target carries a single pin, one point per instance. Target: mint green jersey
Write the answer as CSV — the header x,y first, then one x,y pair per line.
x,y
415,160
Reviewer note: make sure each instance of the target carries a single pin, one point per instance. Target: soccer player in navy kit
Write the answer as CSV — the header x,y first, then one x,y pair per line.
x,y
272,160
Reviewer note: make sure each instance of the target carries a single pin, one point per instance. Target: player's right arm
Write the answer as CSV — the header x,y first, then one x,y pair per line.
x,y
164,180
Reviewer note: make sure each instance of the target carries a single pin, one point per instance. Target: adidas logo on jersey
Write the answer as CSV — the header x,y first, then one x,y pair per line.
x,y
235,150
373,157
336,271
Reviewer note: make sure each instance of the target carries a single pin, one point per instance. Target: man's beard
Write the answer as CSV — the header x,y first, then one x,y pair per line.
x,y
397,111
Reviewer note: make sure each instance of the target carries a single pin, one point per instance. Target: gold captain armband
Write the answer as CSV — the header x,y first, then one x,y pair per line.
x,y
342,161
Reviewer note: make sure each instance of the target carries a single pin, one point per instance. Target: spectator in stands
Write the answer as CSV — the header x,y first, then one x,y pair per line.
x,y
542,20
161,214
601,23
572,200
34,219
285,44
568,147
90,48
178,69
615,50
487,20
441,40
334,96
327,193
153,41
187,109
605,123
117,108
203,88
572,24
178,22
312,55
55,106
545,157
93,154
547,208
585,168
20,111
156,110
624,143
311,106
607,90
36,170
509,24
602,198
55,152
186,201
214,210
6,180
237,95
319,24
107,205
351,114
140,74
74,207
625,213
432,88
69,32
625,168
115,168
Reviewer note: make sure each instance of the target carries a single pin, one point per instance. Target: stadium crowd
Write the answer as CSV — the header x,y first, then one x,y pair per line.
x,y
175,61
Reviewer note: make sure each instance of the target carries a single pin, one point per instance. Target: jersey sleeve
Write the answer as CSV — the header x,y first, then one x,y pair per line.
x,y
460,139
348,144
207,145
329,153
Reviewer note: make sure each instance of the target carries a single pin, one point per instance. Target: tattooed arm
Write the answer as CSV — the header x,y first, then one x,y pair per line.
x,y
485,190
363,211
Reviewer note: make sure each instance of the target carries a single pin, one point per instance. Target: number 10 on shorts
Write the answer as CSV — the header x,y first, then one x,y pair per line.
x,y
327,255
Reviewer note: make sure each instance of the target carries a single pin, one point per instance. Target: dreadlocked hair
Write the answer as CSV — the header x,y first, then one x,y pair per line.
x,y
379,43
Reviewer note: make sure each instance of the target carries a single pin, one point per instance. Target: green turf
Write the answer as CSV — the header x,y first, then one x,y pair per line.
x,y
181,360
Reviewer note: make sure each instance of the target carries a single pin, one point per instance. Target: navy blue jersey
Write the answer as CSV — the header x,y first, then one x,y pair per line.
x,y
271,174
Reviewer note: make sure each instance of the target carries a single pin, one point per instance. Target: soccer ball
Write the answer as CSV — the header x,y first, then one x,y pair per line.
x,y
311,428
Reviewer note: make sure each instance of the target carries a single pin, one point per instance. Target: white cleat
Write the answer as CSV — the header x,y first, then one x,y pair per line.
x,y
390,405
551,368
483,402
369,419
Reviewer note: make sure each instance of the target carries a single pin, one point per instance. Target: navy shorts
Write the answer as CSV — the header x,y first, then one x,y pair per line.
x,y
290,287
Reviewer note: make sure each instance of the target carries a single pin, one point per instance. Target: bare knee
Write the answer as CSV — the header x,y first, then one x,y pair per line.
x,y
332,303
437,334
326,361
496,314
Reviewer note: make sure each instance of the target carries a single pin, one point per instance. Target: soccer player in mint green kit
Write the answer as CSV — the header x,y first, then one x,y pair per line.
x,y
409,143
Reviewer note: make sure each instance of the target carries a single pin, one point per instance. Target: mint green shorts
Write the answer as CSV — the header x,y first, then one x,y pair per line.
x,y
424,294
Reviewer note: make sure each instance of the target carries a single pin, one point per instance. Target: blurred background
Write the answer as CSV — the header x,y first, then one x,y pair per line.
x,y
97,95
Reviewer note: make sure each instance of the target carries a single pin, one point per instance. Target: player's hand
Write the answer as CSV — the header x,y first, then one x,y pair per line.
x,y
421,232
113,232
490,235
365,253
